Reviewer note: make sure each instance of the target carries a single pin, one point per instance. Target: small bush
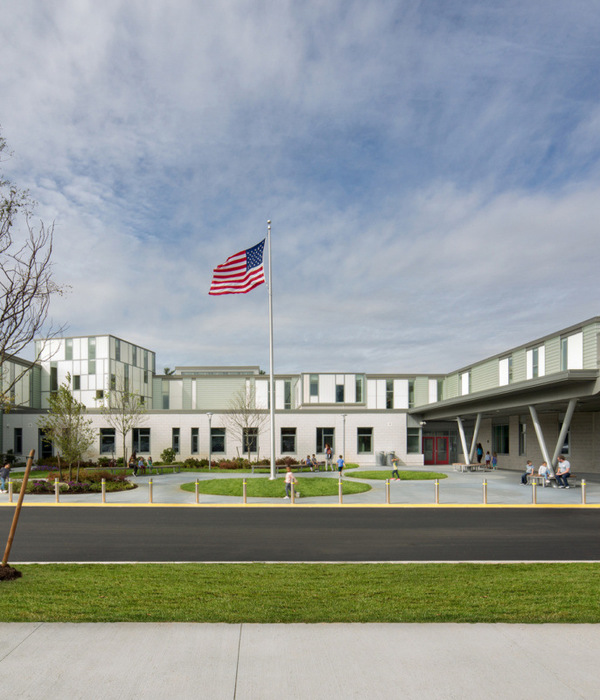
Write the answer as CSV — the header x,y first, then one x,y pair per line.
x,y
168,455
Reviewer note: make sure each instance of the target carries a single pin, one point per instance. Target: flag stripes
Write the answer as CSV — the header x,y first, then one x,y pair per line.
x,y
240,273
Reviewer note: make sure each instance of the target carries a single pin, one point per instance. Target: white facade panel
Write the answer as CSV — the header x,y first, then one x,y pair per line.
x,y
541,361
371,393
400,393
350,388
575,351
261,394
327,388
503,369
433,388
279,393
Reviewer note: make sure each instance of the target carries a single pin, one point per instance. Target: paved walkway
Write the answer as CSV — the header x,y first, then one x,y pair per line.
x,y
329,661
503,488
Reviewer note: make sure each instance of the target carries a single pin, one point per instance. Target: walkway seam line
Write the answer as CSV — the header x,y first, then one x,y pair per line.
x,y
237,665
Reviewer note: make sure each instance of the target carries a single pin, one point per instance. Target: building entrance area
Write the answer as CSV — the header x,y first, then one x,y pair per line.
x,y
436,450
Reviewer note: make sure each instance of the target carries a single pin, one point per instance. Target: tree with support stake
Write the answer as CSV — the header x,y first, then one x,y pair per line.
x,y
8,573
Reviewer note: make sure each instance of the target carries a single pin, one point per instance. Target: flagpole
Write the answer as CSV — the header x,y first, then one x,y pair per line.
x,y
271,380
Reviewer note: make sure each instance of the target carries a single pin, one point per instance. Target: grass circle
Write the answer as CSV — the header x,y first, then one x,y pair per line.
x,y
265,488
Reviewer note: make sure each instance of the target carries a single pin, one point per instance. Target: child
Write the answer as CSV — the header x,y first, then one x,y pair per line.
x,y
395,461
340,466
488,460
315,463
289,480
494,461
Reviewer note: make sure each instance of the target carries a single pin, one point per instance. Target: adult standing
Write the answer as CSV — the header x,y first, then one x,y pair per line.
x,y
479,452
563,473
328,458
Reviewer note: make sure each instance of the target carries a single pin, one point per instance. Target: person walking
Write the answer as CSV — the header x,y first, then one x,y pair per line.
x,y
4,474
340,465
290,479
395,461
479,453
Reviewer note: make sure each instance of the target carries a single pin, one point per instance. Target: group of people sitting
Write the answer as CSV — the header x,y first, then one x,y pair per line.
x,y
561,477
139,464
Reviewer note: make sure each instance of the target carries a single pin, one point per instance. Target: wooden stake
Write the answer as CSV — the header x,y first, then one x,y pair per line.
x,y
13,527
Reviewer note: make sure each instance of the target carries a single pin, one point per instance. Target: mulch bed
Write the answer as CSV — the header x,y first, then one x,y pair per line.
x,y
8,573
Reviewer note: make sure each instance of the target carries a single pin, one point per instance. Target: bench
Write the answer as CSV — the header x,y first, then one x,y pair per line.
x,y
539,479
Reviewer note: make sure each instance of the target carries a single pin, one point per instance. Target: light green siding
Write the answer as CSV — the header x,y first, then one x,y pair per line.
x,y
186,399
553,355
156,393
421,391
451,386
519,365
590,346
216,393
484,376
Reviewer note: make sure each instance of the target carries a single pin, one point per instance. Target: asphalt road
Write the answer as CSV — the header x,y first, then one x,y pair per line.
x,y
301,534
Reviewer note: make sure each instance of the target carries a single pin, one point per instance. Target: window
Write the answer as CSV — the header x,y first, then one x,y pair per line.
x,y
359,389
91,350
76,382
91,366
522,439
411,393
141,440
175,440
145,359
314,385
288,440
107,441
250,440
69,349
364,440
194,441
53,377
113,382
413,441
325,436
440,389
99,394
287,394
165,394
145,376
18,441
389,393
505,371
465,383
217,440
117,349
571,352
565,449
339,393
133,355
536,362
126,378
500,443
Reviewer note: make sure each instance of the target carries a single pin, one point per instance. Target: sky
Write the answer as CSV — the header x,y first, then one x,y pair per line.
x,y
431,171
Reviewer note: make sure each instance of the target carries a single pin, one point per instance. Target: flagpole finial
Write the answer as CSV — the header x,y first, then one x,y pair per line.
x,y
269,222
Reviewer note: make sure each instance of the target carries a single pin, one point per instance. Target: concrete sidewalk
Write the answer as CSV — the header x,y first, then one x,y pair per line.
x,y
329,661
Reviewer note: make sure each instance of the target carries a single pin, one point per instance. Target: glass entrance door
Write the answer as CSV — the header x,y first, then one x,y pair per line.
x,y
435,450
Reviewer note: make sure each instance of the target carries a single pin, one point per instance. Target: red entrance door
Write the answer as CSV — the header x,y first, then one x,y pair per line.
x,y
435,450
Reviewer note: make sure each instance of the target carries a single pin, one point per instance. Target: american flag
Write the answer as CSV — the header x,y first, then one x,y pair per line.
x,y
240,273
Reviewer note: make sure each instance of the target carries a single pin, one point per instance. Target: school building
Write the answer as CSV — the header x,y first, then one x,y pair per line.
x,y
534,401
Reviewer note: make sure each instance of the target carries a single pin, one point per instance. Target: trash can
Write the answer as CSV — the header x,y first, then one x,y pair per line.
x,y
390,457
380,459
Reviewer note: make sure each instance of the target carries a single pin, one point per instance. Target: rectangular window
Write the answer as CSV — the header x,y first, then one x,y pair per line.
x,y
571,352
314,384
359,389
76,382
107,441
288,440
465,383
91,366
99,394
133,355
389,393
411,393
69,349
141,440
500,442
287,394
413,441
217,440
145,359
194,441
250,440
339,393
522,439
53,377
145,376
165,394
113,382
126,378
535,362
325,436
91,349
440,389
18,441
505,371
117,349
364,443
175,440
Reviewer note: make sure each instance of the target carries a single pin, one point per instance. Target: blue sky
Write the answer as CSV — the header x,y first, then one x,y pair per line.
x,y
431,170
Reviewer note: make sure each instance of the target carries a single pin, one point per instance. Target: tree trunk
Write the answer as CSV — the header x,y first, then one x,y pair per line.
x,y
59,467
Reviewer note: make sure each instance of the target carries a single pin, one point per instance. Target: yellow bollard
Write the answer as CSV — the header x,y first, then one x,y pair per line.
x,y
10,490
387,491
103,490
197,491
340,491
150,491
583,491
245,490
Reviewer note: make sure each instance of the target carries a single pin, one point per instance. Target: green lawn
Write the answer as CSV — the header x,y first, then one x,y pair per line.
x,y
271,593
265,488
404,475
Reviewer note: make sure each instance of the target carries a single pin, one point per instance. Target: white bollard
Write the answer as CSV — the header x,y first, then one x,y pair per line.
x,y
56,489
197,491
103,490
245,491
485,492
387,491
437,491
534,492
340,491
583,491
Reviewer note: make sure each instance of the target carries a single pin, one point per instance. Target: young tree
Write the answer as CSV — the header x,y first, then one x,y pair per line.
x,y
67,427
244,416
124,411
26,283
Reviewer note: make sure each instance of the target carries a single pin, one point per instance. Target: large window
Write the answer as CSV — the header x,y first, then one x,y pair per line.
x,y
389,393
250,440
107,441
339,393
91,349
287,394
141,440
465,383
325,436
566,446
364,442
288,440
175,434
165,394
217,440
194,441
69,349
571,352
505,366
53,376
359,388
76,382
440,389
536,362
500,442
413,441
117,349
314,385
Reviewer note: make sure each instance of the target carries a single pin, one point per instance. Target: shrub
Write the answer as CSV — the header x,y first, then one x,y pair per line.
x,y
168,455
